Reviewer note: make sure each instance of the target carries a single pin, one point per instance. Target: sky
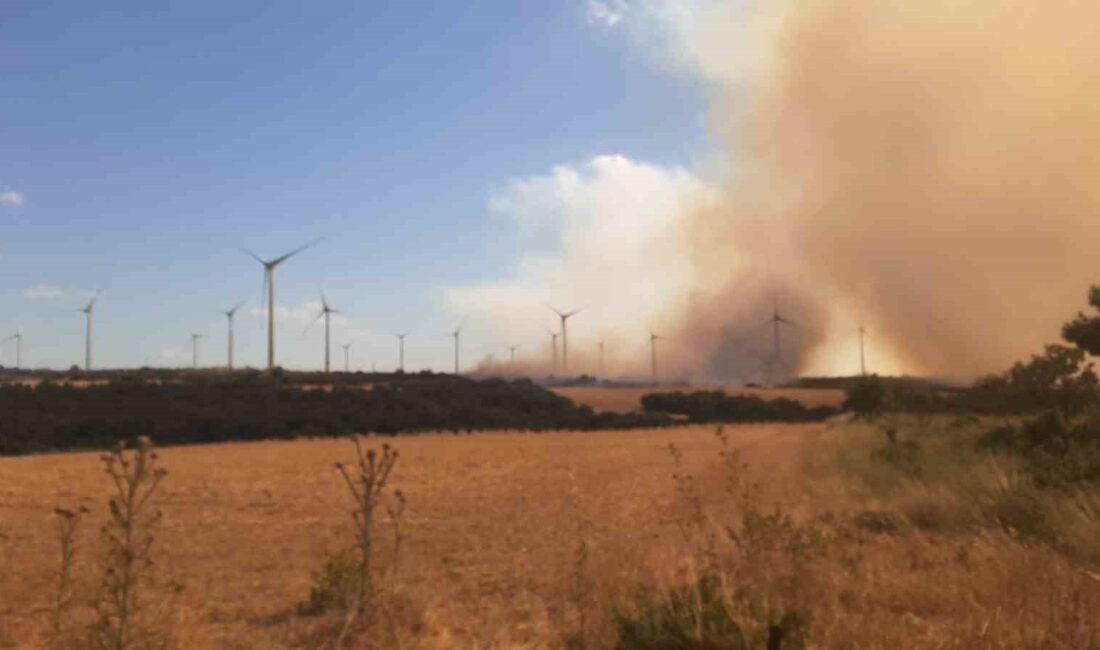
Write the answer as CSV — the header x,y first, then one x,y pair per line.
x,y
146,147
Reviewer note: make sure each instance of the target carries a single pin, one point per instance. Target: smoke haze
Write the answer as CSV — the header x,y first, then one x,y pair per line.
x,y
929,170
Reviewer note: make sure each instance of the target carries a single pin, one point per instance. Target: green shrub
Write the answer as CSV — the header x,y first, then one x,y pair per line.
x,y
334,585
866,397
695,616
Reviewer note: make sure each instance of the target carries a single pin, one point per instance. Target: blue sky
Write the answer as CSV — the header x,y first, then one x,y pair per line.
x,y
144,146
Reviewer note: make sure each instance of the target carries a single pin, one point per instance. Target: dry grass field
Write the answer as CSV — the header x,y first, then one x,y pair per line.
x,y
510,536
625,400
494,525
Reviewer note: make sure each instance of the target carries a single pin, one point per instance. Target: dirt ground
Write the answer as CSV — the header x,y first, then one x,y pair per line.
x,y
624,400
494,524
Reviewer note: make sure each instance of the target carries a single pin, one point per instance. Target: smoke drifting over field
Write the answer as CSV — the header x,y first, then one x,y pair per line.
x,y
927,169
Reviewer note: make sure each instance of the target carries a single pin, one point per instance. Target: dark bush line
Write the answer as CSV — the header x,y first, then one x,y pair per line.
x,y
1056,450
53,417
707,406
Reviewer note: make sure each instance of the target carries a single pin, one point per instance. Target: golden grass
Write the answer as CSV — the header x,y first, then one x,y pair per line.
x,y
495,523
491,534
627,399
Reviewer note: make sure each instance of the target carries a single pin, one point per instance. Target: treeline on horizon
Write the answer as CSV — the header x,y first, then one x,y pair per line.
x,y
53,416
705,406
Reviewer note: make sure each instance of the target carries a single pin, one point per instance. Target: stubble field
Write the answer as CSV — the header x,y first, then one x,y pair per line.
x,y
843,537
488,558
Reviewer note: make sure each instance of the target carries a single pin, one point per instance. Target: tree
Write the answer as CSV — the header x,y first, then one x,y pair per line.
x,y
867,396
1084,331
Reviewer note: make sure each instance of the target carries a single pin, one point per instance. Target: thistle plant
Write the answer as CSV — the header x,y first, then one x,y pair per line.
x,y
366,480
128,536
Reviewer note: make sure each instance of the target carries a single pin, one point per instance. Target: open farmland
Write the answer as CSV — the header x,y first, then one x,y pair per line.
x,y
493,529
628,399
520,540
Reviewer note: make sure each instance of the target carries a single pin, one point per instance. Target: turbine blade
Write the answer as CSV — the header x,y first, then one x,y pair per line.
x,y
255,257
312,323
279,260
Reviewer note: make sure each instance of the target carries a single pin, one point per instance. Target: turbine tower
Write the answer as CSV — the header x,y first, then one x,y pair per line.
x,y
601,359
326,313
347,357
89,312
401,351
269,297
564,316
653,354
776,321
229,316
195,350
862,358
456,334
553,350
18,338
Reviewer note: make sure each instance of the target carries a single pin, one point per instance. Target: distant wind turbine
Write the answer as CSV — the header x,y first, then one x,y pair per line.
x,y
89,312
862,358
401,351
512,355
326,313
653,354
553,350
456,334
18,338
347,357
565,316
269,298
229,314
776,321
601,359
195,350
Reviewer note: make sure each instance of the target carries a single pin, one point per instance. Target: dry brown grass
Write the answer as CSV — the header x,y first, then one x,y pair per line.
x,y
522,540
625,400
490,539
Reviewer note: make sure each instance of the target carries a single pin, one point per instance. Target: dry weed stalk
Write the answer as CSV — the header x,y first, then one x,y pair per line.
x,y
366,480
128,535
68,521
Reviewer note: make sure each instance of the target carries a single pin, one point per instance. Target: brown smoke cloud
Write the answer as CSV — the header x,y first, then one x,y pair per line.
x,y
930,169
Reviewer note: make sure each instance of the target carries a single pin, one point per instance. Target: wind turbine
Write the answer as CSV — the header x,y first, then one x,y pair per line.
x,y
512,355
229,316
553,349
269,299
776,321
601,358
401,350
326,313
565,316
18,338
653,354
456,334
195,350
347,358
862,358
89,311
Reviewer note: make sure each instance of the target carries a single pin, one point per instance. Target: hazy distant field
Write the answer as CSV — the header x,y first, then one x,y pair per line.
x,y
494,523
624,400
